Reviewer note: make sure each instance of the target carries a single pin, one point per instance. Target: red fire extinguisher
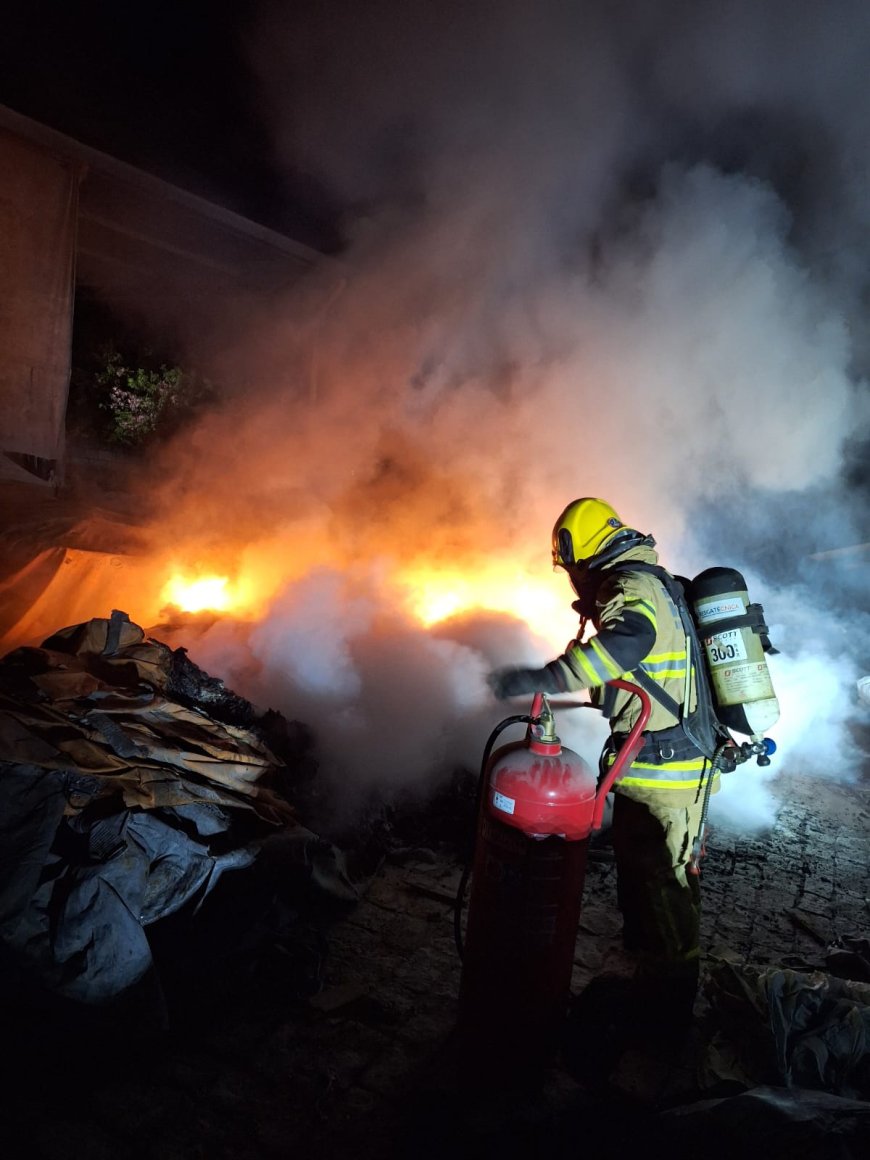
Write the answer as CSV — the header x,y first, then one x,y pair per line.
x,y
539,804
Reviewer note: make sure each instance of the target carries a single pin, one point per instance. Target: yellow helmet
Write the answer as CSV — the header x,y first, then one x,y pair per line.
x,y
583,528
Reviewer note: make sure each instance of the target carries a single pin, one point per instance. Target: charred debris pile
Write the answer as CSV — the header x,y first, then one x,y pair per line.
x,y
156,832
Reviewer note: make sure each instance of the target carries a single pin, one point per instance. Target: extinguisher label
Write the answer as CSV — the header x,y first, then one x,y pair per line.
x,y
505,804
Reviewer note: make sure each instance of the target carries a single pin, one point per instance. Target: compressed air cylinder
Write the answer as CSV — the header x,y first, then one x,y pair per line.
x,y
738,670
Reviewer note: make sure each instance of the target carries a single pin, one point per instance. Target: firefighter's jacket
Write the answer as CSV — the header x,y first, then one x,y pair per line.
x,y
638,627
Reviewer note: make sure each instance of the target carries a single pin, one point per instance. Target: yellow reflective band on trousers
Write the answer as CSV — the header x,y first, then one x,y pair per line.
x,y
675,775
664,781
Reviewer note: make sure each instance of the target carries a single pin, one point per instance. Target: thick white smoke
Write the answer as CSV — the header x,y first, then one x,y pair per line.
x,y
594,249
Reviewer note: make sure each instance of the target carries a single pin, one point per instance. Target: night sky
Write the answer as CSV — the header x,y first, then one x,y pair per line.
x,y
167,87
302,115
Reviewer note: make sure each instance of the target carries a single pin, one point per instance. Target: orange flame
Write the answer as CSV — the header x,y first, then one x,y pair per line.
x,y
428,593
205,593
435,595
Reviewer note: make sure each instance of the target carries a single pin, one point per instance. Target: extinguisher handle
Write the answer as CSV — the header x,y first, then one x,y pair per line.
x,y
629,750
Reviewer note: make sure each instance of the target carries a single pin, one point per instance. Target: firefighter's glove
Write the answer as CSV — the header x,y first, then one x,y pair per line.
x,y
514,681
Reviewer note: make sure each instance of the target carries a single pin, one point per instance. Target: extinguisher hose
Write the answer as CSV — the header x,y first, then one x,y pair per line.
x,y
523,719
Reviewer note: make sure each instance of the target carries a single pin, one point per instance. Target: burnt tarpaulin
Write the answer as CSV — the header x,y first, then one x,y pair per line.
x,y
787,1064
802,1029
121,806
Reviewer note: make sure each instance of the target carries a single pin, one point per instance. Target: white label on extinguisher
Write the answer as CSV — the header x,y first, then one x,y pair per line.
x,y
505,804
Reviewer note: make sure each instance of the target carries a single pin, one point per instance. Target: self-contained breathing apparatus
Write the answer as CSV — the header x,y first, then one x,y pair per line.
x,y
726,642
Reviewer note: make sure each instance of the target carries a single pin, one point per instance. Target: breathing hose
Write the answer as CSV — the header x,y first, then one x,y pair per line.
x,y
726,757
694,866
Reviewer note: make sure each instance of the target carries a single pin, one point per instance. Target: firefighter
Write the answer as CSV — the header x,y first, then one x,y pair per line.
x,y
658,802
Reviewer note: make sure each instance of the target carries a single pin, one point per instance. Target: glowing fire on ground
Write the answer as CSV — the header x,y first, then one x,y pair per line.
x,y
429,595
435,595
206,593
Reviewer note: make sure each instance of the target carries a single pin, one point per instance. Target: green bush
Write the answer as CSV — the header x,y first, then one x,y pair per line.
x,y
137,402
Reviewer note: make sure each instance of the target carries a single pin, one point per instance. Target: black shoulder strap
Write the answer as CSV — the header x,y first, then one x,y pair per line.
x,y
701,726
640,677
608,697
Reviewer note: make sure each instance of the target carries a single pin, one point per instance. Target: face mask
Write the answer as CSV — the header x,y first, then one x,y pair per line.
x,y
585,584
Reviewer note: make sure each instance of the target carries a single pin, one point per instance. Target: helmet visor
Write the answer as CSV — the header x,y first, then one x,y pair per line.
x,y
563,549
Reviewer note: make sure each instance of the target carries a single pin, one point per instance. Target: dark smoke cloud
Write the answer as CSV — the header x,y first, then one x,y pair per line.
x,y
573,101
612,249
528,149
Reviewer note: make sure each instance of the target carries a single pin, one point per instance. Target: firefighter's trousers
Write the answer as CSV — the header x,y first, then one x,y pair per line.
x,y
659,900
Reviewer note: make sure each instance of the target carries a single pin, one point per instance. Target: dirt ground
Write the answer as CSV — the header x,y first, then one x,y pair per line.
x,y
361,1066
